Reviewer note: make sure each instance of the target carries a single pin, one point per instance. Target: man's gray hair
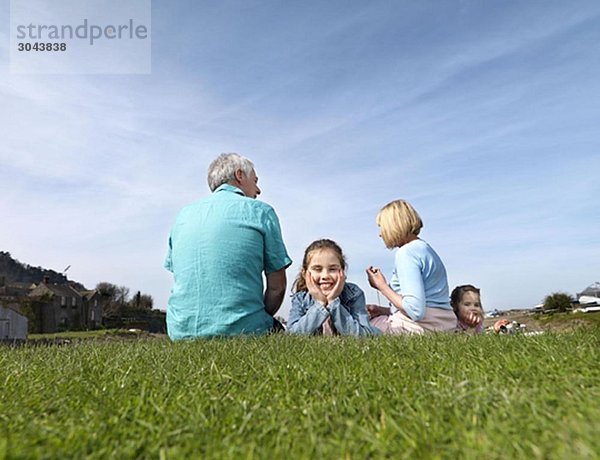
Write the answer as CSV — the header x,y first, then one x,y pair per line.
x,y
223,168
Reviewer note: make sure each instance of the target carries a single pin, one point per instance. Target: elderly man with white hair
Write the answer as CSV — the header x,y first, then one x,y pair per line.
x,y
219,248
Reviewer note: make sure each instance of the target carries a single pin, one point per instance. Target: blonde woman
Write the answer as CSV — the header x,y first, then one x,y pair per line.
x,y
418,289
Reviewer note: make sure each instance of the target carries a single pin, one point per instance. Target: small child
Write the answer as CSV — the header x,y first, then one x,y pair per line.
x,y
323,302
466,303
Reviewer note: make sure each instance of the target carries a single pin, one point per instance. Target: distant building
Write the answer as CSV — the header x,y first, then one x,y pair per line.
x,y
539,308
13,324
13,289
57,307
52,305
590,295
61,307
93,307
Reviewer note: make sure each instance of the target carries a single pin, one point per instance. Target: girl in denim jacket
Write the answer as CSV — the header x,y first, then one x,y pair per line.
x,y
323,302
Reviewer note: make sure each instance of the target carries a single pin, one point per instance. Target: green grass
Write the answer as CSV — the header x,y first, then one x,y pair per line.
x,y
446,396
99,333
569,320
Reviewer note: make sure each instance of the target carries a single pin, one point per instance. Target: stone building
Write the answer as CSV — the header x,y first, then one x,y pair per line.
x,y
57,307
93,307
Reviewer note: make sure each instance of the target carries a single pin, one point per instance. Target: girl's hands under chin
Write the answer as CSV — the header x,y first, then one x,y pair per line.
x,y
314,290
338,287
472,319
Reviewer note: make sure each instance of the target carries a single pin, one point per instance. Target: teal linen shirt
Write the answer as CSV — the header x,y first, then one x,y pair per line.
x,y
219,248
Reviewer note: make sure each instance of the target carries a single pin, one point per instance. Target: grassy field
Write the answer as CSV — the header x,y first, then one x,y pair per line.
x,y
76,335
568,321
555,322
447,396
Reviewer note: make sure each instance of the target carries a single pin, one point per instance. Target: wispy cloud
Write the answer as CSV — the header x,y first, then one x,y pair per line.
x,y
485,120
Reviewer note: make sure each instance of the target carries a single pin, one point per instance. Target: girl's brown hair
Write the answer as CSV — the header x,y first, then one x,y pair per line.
x,y
300,283
457,295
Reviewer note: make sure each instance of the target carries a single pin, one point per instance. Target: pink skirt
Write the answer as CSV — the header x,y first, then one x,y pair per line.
x,y
436,320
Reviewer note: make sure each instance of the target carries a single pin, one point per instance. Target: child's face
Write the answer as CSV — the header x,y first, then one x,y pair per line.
x,y
325,269
470,302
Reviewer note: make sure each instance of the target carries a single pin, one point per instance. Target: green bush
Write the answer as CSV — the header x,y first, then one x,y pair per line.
x,y
558,301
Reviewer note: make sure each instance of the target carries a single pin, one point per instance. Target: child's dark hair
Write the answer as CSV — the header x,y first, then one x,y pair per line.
x,y
457,295
300,283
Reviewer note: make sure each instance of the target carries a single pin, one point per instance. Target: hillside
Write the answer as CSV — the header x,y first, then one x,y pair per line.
x,y
14,271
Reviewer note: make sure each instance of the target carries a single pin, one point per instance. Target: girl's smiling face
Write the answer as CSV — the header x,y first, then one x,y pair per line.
x,y
325,269
470,302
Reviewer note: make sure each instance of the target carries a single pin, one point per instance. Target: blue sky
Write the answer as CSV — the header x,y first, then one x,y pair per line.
x,y
484,115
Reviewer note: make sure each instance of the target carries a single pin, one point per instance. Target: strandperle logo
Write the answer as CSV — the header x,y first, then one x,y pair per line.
x,y
83,31
80,36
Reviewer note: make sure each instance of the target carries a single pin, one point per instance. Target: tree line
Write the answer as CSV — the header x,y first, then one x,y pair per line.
x,y
119,301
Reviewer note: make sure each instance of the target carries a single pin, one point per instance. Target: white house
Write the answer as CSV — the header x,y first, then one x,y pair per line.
x,y
13,324
590,295
588,299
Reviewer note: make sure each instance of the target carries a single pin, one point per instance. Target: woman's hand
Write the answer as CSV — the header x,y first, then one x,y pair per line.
x,y
377,310
376,278
337,288
314,290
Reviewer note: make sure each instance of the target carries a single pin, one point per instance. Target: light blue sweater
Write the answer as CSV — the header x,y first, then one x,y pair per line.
x,y
420,278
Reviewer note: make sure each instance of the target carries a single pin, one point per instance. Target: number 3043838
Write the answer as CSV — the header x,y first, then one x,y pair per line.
x,y
41,46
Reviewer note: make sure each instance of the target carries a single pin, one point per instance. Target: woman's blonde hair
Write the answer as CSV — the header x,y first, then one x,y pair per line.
x,y
398,221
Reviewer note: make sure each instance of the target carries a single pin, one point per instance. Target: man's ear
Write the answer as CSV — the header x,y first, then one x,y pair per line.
x,y
239,175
